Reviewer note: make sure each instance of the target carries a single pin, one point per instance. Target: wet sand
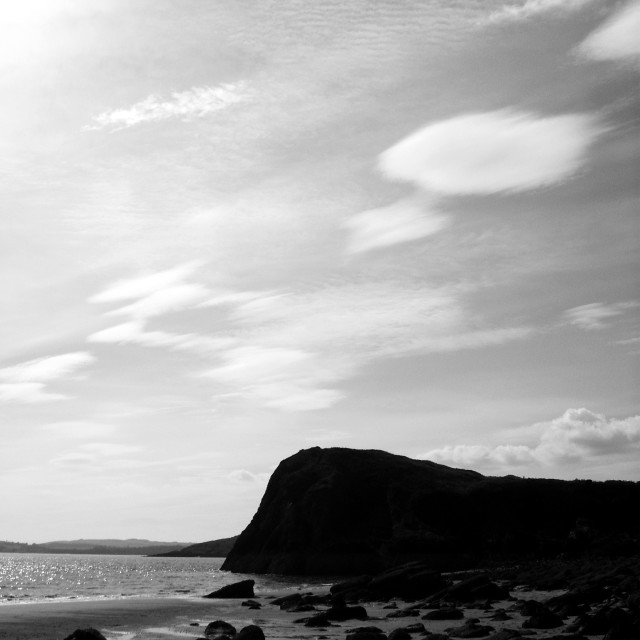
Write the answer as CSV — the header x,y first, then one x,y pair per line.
x,y
175,619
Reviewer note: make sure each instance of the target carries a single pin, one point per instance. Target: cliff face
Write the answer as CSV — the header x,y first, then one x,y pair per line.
x,y
345,511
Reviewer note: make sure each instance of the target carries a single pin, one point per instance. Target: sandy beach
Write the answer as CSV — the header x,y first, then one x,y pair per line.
x,y
163,619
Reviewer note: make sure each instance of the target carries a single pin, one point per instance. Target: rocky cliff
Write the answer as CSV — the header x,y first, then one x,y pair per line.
x,y
347,511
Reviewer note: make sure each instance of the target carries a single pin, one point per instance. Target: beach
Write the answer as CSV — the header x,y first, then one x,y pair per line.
x,y
163,619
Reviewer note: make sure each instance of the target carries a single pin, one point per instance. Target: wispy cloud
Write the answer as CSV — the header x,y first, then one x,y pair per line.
x,y
596,315
532,8
617,39
145,285
292,350
26,382
197,102
495,152
402,221
78,429
575,437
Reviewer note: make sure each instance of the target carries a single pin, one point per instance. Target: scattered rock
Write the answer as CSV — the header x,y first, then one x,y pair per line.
x,y
242,589
541,617
470,630
252,604
342,613
220,630
319,620
505,634
252,632
86,634
399,634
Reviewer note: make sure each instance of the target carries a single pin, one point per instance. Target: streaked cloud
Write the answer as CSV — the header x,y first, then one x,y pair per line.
x,y
78,429
145,285
496,152
293,350
196,102
26,382
402,221
532,8
243,476
575,437
173,298
596,315
617,39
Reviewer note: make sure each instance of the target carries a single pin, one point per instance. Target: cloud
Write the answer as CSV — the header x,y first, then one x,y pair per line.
x,y
78,429
287,379
289,350
243,476
292,349
596,315
533,8
45,369
26,382
575,437
495,152
142,286
173,298
93,455
27,392
402,221
617,39
197,102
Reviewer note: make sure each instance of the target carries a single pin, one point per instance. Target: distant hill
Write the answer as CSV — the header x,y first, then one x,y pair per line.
x,y
212,549
132,546
349,511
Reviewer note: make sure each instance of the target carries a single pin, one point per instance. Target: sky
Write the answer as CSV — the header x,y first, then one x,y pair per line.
x,y
232,230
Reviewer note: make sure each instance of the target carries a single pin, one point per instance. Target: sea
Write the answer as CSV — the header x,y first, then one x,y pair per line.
x,y
35,577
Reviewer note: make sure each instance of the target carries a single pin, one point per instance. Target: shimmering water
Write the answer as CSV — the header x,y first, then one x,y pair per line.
x,y
37,577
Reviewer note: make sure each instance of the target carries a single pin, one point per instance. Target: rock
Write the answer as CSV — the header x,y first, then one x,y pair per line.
x,y
250,604
242,589
342,613
86,634
220,630
470,630
500,615
418,627
366,635
370,630
321,504
252,632
505,634
446,613
404,613
477,587
604,620
399,634
319,620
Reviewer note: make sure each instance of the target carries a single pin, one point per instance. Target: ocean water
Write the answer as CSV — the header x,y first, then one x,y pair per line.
x,y
27,577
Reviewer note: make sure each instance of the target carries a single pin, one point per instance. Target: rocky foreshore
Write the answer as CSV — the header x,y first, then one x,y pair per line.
x,y
553,600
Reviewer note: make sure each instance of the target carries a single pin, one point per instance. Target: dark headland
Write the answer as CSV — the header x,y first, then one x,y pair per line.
x,y
346,511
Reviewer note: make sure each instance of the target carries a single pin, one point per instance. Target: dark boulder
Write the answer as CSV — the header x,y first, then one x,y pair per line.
x,y
342,613
399,634
252,632
470,629
86,634
363,634
371,630
505,634
242,589
220,630
319,620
